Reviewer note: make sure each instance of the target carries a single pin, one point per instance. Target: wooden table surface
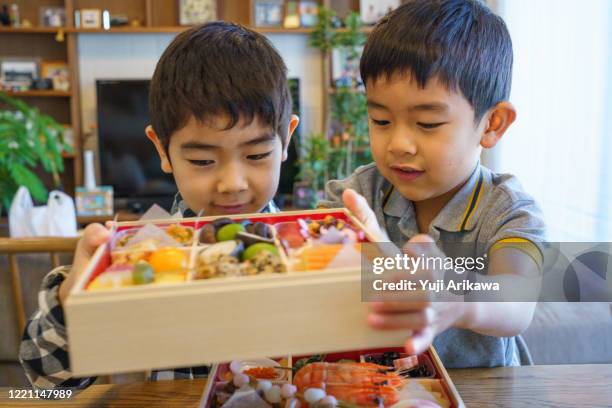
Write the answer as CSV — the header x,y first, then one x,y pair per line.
x,y
581,386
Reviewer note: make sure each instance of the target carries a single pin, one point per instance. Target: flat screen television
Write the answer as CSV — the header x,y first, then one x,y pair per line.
x,y
128,160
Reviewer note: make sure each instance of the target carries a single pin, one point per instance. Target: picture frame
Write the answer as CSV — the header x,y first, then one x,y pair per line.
x,y
192,12
91,18
292,15
268,13
98,201
19,72
309,13
59,74
52,16
373,10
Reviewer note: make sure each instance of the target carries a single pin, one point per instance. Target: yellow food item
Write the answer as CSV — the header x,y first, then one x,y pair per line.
x,y
170,277
168,260
111,280
180,233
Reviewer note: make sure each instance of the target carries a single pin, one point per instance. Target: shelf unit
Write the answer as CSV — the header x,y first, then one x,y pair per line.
x,y
154,16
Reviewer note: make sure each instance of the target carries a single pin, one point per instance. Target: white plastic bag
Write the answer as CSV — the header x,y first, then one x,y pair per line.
x,y
57,218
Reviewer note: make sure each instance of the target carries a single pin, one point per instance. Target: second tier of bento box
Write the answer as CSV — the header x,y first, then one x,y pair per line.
x,y
281,294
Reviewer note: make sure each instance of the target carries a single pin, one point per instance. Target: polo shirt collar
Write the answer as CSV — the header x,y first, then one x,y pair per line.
x,y
461,213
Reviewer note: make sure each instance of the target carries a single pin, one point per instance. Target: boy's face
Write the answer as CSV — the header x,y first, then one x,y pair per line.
x,y
424,141
231,171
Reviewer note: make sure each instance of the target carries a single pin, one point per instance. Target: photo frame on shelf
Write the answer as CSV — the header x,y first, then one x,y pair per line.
x,y
268,13
59,74
192,12
19,73
91,18
52,16
292,15
309,13
98,201
373,10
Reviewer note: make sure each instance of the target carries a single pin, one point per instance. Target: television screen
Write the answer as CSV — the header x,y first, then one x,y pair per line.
x,y
128,160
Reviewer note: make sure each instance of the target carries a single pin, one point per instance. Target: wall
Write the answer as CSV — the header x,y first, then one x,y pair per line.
x,y
114,56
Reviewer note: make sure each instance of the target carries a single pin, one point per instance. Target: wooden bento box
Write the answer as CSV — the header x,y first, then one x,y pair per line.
x,y
340,379
314,305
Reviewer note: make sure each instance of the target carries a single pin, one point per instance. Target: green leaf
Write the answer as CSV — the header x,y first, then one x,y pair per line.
x,y
24,177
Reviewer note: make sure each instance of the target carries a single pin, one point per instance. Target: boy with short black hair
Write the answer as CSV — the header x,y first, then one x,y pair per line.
x,y
437,76
221,123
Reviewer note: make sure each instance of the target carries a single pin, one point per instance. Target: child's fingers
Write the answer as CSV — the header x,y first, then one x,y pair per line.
x,y
358,205
392,321
398,307
93,236
420,341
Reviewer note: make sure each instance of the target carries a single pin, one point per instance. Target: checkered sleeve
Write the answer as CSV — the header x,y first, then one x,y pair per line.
x,y
44,348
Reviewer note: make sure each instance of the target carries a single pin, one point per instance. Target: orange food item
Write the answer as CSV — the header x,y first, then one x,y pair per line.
x,y
168,260
319,256
364,384
262,373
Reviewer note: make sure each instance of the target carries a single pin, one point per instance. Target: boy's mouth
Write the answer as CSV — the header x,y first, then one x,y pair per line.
x,y
406,173
232,208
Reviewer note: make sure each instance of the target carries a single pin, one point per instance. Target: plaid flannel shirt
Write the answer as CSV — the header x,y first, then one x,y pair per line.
x,y
43,352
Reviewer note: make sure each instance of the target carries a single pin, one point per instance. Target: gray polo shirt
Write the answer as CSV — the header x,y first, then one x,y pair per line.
x,y
488,209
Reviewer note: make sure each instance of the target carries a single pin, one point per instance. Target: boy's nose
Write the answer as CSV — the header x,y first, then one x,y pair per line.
x,y
401,143
232,179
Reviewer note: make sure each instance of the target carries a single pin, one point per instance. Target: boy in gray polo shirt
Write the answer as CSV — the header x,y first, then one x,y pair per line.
x,y
438,76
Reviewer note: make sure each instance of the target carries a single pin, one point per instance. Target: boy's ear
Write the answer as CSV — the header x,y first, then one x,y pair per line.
x,y
166,166
500,118
293,124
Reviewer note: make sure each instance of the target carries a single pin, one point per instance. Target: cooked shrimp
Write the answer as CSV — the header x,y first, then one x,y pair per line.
x,y
365,384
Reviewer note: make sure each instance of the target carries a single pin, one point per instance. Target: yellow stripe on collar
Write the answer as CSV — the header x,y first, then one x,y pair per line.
x,y
474,200
386,197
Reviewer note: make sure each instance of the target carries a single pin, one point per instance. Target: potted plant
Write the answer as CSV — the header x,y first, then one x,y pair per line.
x,y
344,146
28,139
314,169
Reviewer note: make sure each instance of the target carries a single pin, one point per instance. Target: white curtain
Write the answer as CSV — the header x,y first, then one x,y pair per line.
x,y
560,146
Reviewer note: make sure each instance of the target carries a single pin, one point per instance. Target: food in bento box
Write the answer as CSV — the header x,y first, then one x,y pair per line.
x,y
364,384
115,276
330,230
237,249
223,247
142,273
179,233
407,366
322,256
168,260
229,258
326,381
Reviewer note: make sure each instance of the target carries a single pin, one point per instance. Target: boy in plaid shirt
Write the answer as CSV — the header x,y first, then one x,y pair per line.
x,y
221,123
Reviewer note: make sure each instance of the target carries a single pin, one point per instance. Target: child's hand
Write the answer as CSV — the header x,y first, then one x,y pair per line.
x,y
93,236
425,318
358,205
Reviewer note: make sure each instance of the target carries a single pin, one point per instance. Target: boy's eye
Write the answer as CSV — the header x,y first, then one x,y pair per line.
x,y
259,156
201,163
430,125
380,122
